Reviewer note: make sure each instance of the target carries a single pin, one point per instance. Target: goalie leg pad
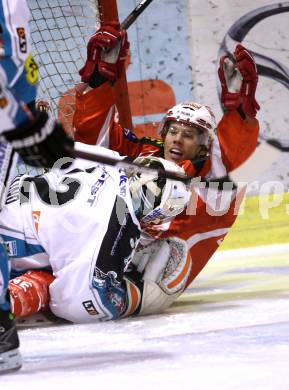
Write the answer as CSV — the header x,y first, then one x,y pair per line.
x,y
167,268
159,294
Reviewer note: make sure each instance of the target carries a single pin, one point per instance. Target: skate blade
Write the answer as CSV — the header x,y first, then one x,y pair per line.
x,y
10,361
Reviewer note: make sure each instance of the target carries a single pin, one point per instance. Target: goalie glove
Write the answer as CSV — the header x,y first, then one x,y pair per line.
x,y
106,53
239,78
41,141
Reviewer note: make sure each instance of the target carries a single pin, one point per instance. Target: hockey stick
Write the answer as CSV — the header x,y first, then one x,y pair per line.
x,y
265,154
130,19
128,163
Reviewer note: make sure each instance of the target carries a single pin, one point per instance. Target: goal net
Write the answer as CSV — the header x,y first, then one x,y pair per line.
x,y
60,30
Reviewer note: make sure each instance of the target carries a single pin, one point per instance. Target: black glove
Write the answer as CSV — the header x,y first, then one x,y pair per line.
x,y
41,141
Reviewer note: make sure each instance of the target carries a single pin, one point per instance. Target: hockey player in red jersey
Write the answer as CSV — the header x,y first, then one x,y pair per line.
x,y
188,136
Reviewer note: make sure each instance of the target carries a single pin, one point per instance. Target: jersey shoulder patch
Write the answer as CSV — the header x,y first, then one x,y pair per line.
x,y
159,143
130,135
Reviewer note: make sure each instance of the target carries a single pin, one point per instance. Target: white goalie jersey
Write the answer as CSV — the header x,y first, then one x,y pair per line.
x,y
74,222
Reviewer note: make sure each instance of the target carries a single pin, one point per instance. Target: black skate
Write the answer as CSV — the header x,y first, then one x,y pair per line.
x,y
10,358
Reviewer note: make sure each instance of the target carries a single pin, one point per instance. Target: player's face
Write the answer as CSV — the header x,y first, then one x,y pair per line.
x,y
181,142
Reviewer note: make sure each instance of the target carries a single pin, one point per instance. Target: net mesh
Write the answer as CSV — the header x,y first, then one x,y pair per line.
x,y
60,30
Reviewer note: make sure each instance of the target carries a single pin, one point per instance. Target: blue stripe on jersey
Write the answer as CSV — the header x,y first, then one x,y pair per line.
x,y
18,248
9,68
20,116
4,270
16,273
23,90
8,65
5,33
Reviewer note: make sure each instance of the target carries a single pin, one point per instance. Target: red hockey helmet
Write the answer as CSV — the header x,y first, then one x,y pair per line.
x,y
194,114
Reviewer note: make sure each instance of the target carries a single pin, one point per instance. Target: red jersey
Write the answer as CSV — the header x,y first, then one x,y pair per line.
x,y
208,218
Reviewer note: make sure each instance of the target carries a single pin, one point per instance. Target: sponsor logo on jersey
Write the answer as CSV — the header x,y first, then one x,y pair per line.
x,y
11,248
117,298
154,217
22,39
13,193
31,69
122,182
130,135
3,99
36,219
153,141
112,295
119,236
96,188
90,308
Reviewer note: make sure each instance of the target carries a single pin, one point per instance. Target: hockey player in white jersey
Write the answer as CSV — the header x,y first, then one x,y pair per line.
x,y
38,139
85,223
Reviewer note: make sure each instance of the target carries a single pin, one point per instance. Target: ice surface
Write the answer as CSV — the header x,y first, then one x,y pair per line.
x,y
229,331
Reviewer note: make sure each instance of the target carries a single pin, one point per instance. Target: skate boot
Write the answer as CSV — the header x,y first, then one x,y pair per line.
x,y
10,358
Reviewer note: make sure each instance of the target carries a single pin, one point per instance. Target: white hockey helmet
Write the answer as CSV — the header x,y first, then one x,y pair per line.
x,y
194,114
155,198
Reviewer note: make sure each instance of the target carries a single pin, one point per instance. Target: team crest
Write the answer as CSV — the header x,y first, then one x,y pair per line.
x,y
22,39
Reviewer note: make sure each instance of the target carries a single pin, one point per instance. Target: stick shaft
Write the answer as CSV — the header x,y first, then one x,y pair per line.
x,y
129,165
130,19
248,171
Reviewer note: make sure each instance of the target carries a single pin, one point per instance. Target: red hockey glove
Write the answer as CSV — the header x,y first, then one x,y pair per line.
x,y
106,53
248,70
29,293
239,80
